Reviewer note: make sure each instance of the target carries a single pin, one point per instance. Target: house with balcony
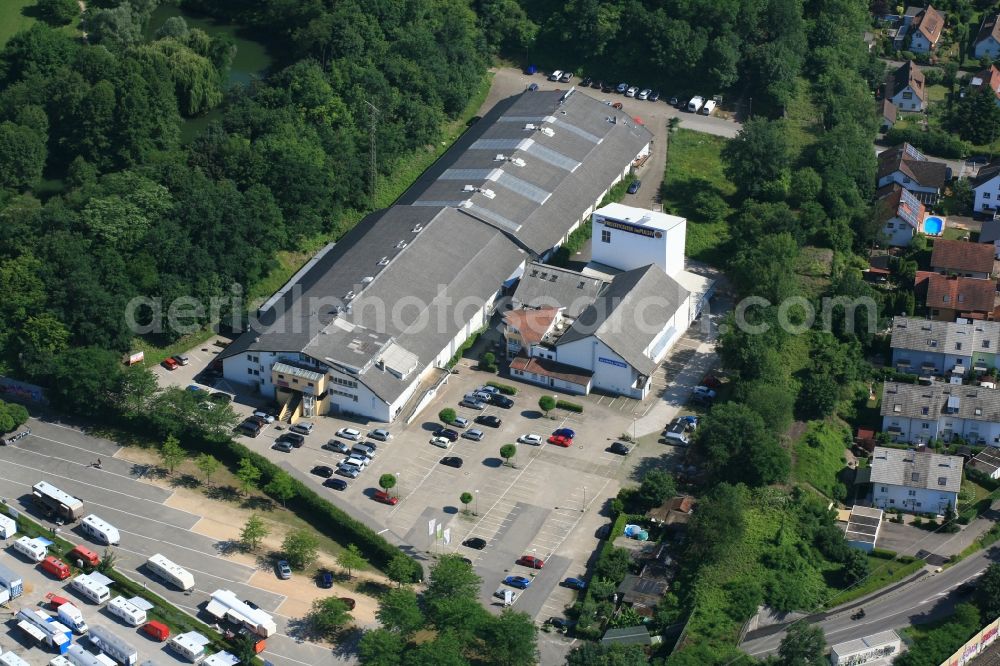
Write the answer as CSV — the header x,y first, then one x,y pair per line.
x,y
920,29
949,298
908,167
914,481
918,413
943,348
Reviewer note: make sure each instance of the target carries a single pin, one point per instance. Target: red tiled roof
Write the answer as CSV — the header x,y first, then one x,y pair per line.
x,y
961,256
930,24
547,368
988,77
532,324
965,295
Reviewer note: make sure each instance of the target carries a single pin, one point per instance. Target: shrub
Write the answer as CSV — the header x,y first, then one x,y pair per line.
x,y
569,406
506,389
884,554
447,415
936,142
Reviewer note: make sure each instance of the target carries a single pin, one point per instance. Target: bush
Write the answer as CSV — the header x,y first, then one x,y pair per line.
x,y
884,554
488,362
936,142
569,406
447,415
506,389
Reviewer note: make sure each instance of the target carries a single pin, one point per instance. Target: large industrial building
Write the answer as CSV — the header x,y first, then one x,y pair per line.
x,y
367,325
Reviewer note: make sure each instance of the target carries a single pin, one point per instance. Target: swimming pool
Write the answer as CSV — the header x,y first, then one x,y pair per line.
x,y
933,225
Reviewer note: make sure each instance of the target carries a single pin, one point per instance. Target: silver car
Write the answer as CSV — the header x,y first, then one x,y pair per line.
x,y
473,404
380,434
474,434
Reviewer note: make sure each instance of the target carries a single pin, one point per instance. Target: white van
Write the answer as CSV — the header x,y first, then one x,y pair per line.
x,y
100,530
556,75
708,108
71,616
87,588
694,106
131,614
33,549
11,659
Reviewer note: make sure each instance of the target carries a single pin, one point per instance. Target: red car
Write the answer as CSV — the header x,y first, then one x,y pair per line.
x,y
385,498
711,381
560,440
531,562
169,364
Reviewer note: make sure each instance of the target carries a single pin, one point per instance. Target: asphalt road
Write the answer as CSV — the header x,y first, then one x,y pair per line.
x,y
63,455
926,599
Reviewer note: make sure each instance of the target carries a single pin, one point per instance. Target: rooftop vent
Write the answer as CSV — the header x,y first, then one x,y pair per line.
x,y
400,245
417,228
489,194
500,157
518,162
384,261
547,131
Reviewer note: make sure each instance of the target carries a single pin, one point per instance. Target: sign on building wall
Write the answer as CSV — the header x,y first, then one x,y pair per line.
x,y
11,389
631,228
976,645
611,361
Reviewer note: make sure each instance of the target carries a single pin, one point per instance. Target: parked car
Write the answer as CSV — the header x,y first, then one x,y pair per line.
x,y
322,470
560,440
486,388
489,420
586,81
632,91
284,447
531,438
475,543
556,75
181,359
473,404
643,94
634,187
677,433
349,433
303,428
325,580
381,434
530,561
356,461
337,446
474,434
385,498
519,582
574,583
501,401
441,442
447,433
284,570
292,438
452,461
597,84
565,432
249,428
607,87
170,364
703,393
561,624
460,422
654,96
620,448
690,421
617,105
501,593
348,471
268,418
622,87
533,87
566,77
336,484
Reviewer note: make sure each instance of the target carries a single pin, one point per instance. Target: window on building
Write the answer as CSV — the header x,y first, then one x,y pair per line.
x,y
890,225
911,493
958,346
884,489
907,95
605,235
986,195
926,426
986,344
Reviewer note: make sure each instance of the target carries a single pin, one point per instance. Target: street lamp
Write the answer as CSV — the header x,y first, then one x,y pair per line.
x,y
477,503
584,507
397,484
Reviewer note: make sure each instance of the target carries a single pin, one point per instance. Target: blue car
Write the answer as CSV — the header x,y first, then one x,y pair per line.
x,y
690,421
622,87
575,583
533,87
565,432
520,582
634,187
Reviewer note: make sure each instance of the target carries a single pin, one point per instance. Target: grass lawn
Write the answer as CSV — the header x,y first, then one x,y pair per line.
x,y
694,164
819,455
883,573
936,93
803,118
16,15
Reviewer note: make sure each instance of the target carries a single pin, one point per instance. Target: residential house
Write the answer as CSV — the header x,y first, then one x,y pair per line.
x,y
888,115
542,286
906,88
986,82
986,189
528,327
987,42
925,30
989,235
918,482
949,298
900,214
908,167
927,347
918,413
675,511
953,257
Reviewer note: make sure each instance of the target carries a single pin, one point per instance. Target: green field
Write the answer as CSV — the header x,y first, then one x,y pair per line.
x,y
15,16
694,165
819,456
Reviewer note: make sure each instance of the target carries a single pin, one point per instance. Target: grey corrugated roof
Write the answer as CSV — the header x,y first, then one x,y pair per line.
x,y
543,183
913,469
623,316
911,400
986,461
943,336
543,285
990,231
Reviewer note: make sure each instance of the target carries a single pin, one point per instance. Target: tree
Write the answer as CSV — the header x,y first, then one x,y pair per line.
x,y
248,475
508,451
657,487
613,565
22,155
57,12
447,415
510,639
208,464
615,654
245,649
452,578
108,561
987,596
856,567
12,415
465,498
171,453
976,117
300,548
803,645
381,647
254,531
387,481
739,447
760,154
717,525
281,486
351,558
400,569
547,403
399,611
328,616
818,397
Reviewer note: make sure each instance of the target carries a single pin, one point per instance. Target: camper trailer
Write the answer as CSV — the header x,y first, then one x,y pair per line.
x,y
55,503
170,572
90,589
44,628
128,612
100,530
190,646
33,549
11,583
114,647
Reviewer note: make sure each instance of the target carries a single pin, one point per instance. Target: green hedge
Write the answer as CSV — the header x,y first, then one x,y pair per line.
x,y
884,554
506,389
569,406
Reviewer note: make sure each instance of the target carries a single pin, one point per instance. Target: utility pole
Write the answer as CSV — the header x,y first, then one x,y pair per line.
x,y
373,172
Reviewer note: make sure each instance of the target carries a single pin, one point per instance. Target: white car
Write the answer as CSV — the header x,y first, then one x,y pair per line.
x,y
644,93
350,433
533,439
441,442
354,461
490,389
631,91
556,75
268,418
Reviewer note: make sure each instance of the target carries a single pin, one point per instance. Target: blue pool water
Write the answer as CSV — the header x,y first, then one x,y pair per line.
x,y
933,225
